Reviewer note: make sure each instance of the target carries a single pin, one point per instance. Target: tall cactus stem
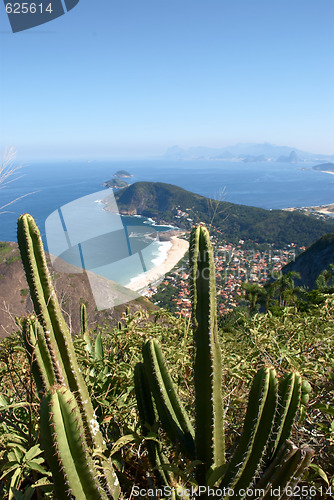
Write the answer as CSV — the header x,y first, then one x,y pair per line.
x,y
41,354
289,392
257,428
83,319
148,420
269,416
209,411
50,316
170,409
61,425
58,338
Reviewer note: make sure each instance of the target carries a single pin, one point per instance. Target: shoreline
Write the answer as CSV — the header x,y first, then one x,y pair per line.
x,y
174,255
326,171
327,209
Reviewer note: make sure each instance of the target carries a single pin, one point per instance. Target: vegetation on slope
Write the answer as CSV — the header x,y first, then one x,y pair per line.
x,y
293,340
309,264
298,341
161,202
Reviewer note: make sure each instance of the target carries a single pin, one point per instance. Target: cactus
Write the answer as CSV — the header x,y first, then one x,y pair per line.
x,y
271,409
148,423
209,412
49,342
41,354
289,402
62,437
171,412
257,427
83,319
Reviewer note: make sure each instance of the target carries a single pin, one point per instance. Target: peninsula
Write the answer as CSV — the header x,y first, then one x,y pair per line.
x,y
327,168
172,205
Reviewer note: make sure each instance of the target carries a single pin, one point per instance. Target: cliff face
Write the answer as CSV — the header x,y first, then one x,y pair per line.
x,y
71,289
313,261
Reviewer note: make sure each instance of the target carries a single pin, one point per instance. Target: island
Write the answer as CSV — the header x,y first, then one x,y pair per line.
x,y
116,184
122,173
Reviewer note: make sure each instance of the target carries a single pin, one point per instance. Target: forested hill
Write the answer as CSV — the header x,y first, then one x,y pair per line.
x,y
174,205
313,261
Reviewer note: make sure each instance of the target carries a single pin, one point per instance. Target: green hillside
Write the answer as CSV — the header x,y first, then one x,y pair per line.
x,y
313,261
162,202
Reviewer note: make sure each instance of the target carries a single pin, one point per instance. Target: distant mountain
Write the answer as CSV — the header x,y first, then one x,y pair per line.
x,y
292,158
325,167
313,261
170,204
245,152
252,159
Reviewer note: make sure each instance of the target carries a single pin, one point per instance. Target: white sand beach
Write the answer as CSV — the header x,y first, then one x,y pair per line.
x,y
324,209
175,253
327,172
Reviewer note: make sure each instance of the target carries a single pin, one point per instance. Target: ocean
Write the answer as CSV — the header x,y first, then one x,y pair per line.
x,y
45,187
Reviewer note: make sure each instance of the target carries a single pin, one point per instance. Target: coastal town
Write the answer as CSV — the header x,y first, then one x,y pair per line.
x,y
235,264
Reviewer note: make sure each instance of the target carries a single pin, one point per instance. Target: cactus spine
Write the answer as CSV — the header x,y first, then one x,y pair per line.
x,y
51,344
270,412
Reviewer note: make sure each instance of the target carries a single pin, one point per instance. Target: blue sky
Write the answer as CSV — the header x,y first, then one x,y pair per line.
x,y
129,78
